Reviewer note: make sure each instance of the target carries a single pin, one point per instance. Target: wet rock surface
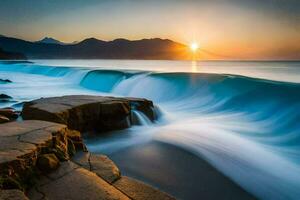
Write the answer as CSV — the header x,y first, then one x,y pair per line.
x,y
139,190
91,176
99,164
74,182
83,112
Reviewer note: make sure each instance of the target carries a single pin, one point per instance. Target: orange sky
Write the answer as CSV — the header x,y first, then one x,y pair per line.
x,y
230,29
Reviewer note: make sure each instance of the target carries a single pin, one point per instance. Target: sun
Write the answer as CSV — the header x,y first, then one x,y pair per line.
x,y
194,46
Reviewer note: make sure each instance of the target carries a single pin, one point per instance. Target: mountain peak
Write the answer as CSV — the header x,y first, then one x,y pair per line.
x,y
91,41
49,40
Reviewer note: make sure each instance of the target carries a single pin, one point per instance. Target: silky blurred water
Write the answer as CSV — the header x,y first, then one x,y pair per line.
x,y
242,117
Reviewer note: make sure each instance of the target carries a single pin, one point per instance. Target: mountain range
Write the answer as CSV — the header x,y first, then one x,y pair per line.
x,y
92,48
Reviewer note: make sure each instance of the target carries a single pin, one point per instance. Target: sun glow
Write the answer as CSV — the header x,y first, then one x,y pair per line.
x,y
194,46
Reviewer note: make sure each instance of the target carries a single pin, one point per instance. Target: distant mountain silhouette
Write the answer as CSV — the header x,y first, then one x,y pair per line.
x,y
49,40
93,48
11,56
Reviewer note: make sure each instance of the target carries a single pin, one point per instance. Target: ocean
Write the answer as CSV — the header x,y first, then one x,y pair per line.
x,y
240,117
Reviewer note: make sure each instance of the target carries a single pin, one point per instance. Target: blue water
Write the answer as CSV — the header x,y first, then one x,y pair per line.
x,y
242,117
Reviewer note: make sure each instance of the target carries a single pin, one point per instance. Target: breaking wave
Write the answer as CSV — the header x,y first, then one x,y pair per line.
x,y
245,127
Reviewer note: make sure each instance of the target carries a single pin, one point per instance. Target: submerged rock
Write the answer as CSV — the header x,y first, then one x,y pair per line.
x,y
82,112
5,81
5,96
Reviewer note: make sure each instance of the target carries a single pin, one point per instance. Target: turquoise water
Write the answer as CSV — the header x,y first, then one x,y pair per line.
x,y
242,117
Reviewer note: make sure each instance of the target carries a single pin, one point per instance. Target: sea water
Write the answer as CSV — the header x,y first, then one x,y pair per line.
x,y
241,117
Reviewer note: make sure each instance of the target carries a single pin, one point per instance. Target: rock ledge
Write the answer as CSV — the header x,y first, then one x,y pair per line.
x,y
83,112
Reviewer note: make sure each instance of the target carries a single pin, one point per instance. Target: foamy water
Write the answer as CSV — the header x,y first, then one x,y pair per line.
x,y
242,117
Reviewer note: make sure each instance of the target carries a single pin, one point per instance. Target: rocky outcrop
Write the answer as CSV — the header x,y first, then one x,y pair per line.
x,y
81,112
49,160
22,144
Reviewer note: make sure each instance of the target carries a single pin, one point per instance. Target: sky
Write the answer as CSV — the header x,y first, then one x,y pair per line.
x,y
237,29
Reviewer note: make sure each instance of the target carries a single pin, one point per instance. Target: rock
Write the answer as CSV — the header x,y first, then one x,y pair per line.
x,y
5,81
76,140
71,148
3,119
74,183
12,195
99,164
143,105
47,162
9,113
104,167
140,191
7,182
74,135
22,143
5,96
81,112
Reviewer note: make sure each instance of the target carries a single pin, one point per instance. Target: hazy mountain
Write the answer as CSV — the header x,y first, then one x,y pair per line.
x,y
93,48
49,40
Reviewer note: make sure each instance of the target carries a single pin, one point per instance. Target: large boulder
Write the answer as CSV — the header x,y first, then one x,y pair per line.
x,y
82,112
